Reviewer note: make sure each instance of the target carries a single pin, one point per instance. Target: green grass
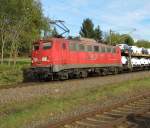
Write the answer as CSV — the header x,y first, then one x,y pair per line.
x,y
10,75
19,115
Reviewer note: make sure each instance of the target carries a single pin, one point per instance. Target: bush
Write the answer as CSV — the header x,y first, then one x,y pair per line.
x,y
12,74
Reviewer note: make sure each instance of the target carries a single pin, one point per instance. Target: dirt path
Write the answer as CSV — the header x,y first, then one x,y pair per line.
x,y
63,88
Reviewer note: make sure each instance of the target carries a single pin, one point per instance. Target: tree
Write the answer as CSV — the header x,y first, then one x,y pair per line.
x,y
3,35
143,43
4,30
117,38
98,34
87,29
127,39
114,37
22,20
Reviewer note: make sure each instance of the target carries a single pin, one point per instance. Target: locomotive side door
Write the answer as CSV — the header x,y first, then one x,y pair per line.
x,y
64,54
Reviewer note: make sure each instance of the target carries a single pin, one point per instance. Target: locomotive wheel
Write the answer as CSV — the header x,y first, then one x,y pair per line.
x,y
81,74
104,72
120,71
115,71
71,75
84,74
63,76
99,73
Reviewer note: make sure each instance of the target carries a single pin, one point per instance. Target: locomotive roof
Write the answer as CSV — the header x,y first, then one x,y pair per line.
x,y
79,40
88,42
42,40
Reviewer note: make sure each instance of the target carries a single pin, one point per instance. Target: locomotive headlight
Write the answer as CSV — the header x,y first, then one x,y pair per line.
x,y
45,58
35,59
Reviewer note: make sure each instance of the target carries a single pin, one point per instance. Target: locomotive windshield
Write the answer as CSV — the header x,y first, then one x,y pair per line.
x,y
47,45
36,47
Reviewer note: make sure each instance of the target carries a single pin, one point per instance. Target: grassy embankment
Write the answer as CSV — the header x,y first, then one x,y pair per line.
x,y
30,113
10,75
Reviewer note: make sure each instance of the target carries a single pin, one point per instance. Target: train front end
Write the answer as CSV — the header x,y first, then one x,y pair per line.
x,y
41,63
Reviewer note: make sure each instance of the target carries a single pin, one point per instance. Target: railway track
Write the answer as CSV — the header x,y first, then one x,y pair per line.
x,y
112,116
25,84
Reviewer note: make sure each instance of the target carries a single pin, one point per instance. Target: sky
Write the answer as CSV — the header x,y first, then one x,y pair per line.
x,y
123,16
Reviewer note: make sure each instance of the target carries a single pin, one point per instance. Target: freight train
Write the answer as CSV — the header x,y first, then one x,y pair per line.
x,y
60,59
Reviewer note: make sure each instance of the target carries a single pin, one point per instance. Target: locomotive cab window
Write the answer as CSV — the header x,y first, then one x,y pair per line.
x,y
36,47
47,45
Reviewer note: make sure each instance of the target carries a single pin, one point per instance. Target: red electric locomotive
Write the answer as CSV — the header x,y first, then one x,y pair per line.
x,y
60,58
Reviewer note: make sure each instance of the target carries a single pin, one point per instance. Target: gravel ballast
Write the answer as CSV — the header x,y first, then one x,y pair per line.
x,y
61,88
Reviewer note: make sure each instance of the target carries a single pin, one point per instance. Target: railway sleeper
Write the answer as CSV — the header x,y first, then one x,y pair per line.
x,y
97,122
104,117
88,124
113,117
